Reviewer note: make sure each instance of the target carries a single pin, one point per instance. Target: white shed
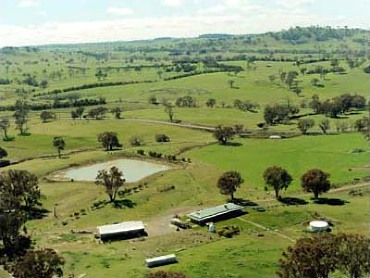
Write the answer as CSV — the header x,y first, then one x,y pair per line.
x,y
121,230
162,260
275,137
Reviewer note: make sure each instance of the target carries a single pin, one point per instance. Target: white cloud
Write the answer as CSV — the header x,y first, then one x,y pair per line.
x,y
119,11
294,3
28,3
242,21
172,3
218,9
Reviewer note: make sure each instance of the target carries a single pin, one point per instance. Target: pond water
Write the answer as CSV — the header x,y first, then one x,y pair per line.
x,y
133,170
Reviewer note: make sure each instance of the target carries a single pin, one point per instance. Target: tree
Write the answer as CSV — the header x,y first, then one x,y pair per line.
x,y
309,257
168,108
46,115
316,181
19,193
361,124
305,124
3,153
109,140
112,181
117,112
231,83
4,126
162,138
186,101
80,111
165,274
59,144
229,182
324,125
223,134
278,178
211,102
20,116
45,263
353,254
97,113
20,188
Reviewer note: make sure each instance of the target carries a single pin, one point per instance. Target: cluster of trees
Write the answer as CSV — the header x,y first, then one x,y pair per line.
x,y
245,105
19,200
279,113
323,254
314,180
338,105
186,101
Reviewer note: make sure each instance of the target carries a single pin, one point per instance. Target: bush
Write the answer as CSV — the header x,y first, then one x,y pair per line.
x,y
229,231
160,138
136,141
140,152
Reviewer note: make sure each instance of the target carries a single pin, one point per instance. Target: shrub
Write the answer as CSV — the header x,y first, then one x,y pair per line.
x,y
140,152
160,138
136,141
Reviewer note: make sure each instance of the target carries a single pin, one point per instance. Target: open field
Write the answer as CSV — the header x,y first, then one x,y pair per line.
x,y
74,209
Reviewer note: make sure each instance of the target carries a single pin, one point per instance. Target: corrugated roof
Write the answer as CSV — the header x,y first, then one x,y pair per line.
x,y
215,211
161,258
121,227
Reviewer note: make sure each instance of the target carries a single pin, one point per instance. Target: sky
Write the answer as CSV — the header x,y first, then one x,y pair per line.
x,y
38,22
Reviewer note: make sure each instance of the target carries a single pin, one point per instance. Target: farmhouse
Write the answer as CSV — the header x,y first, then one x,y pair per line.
x,y
123,230
222,212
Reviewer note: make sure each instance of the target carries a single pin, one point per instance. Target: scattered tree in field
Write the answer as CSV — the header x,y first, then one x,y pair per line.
x,y
223,134
278,178
231,83
316,181
4,126
117,112
109,140
324,125
309,257
211,102
20,116
3,153
45,263
229,182
112,181
245,105
59,144
353,254
165,274
168,108
305,124
47,115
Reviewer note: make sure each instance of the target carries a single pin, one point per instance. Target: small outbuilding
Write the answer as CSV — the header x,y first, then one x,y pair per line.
x,y
163,260
123,230
214,214
274,137
319,226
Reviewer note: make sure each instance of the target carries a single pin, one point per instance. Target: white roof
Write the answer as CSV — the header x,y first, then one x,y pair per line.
x,y
161,258
121,227
319,224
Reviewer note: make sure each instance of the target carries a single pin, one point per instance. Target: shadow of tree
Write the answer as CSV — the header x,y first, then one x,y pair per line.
x,y
331,201
233,144
292,201
123,203
37,213
243,202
